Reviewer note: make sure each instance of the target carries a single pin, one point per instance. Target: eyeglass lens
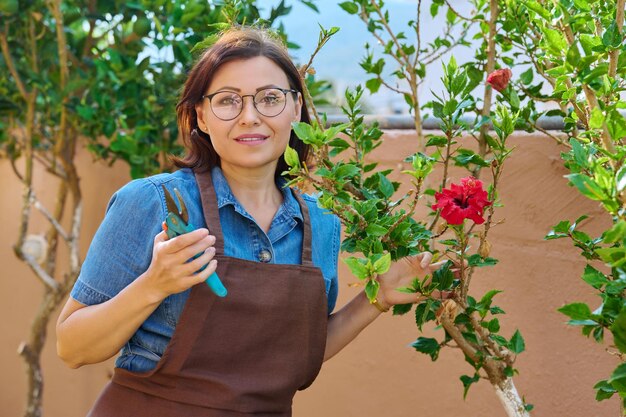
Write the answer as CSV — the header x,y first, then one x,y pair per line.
x,y
269,102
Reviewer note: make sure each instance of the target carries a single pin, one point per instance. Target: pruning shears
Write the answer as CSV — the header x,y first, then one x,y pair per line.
x,y
177,223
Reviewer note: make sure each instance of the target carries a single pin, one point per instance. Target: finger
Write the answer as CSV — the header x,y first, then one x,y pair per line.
x,y
180,242
427,257
195,265
202,276
160,237
195,248
435,266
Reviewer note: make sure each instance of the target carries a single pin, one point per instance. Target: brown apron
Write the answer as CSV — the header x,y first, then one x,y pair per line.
x,y
245,354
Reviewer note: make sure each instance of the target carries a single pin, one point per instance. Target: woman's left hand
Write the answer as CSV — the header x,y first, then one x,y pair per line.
x,y
401,274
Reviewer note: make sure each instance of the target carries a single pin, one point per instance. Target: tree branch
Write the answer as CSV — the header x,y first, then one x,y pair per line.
x,y
619,20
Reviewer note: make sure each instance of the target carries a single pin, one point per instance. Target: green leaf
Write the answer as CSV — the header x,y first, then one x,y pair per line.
x,y
538,8
597,118
616,233
618,328
605,390
587,186
556,40
349,7
382,265
346,170
376,230
478,261
573,56
304,131
526,77
618,378
594,277
385,186
371,289
423,313
373,84
576,311
487,298
517,344
400,309
620,179
611,37
291,157
468,381
443,277
428,346
437,141
357,267
614,256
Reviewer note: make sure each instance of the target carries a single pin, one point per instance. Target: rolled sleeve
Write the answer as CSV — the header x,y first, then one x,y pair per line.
x,y
121,249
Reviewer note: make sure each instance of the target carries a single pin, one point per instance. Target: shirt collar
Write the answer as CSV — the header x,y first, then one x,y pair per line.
x,y
225,196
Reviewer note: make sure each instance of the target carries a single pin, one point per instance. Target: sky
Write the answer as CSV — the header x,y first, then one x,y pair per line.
x,y
339,60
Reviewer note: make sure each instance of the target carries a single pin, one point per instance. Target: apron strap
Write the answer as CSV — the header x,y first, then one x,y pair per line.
x,y
212,217
209,208
307,253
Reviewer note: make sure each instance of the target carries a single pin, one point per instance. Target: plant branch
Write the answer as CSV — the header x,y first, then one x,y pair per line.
x,y
619,20
491,66
43,210
8,59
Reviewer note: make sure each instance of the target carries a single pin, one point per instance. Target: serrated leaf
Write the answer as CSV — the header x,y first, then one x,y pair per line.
x,y
291,157
467,382
357,267
428,346
376,230
371,289
383,263
400,309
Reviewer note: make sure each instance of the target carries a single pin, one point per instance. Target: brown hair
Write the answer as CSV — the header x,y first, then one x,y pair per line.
x,y
236,43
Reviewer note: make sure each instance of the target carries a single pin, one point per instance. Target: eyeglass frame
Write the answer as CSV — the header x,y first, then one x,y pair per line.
x,y
282,90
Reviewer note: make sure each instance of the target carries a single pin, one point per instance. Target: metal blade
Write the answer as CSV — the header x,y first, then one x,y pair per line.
x,y
184,215
169,201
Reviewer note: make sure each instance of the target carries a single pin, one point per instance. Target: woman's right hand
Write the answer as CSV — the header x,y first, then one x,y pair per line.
x,y
170,271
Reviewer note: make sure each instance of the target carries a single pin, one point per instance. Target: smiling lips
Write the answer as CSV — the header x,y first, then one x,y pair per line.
x,y
251,137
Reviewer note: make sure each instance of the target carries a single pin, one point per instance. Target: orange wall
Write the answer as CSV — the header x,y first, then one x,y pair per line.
x,y
378,374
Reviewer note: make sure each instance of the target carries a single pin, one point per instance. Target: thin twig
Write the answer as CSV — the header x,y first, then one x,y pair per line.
x,y
43,210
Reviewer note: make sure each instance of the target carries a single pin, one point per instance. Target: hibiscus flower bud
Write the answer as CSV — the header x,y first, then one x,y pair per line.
x,y
499,79
484,249
460,202
447,310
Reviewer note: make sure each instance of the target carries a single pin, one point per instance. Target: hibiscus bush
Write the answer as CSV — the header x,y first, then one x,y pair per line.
x,y
574,56
571,57
380,227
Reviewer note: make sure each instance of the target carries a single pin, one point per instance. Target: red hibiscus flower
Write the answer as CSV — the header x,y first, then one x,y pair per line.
x,y
460,202
499,79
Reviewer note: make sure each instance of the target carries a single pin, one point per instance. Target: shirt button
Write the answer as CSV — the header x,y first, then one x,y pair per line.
x,y
265,256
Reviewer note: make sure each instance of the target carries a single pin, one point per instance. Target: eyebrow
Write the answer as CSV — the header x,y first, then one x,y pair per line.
x,y
228,87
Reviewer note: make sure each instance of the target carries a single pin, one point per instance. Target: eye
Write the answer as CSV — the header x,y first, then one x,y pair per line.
x,y
270,97
226,99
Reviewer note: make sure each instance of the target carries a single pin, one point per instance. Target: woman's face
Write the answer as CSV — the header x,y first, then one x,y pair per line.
x,y
250,140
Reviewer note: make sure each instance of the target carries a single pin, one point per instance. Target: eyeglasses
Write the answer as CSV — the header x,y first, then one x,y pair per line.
x,y
227,105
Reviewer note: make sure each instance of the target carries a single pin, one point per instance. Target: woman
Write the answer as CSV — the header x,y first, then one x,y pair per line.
x,y
185,351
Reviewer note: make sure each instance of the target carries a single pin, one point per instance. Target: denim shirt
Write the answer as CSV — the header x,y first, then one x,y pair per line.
x,y
121,249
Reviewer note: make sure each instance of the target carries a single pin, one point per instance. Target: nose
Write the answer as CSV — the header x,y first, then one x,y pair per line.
x,y
249,113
